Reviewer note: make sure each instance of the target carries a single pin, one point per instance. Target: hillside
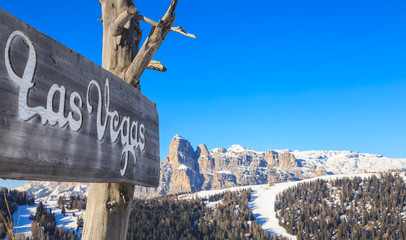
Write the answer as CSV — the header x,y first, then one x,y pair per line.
x,y
261,202
218,214
68,221
345,208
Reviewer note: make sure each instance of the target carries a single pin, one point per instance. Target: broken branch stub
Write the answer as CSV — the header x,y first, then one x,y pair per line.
x,y
118,26
157,66
150,46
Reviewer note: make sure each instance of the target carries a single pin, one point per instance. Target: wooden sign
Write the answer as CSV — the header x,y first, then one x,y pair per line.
x,y
64,118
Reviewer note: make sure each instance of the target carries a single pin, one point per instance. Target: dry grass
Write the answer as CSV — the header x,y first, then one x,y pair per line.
x,y
9,221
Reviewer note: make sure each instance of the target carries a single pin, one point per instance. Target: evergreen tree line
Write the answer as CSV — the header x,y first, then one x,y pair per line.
x,y
169,218
43,226
346,208
72,202
14,199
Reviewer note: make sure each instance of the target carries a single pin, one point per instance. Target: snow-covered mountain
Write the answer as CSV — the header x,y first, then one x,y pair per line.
x,y
50,191
345,162
186,169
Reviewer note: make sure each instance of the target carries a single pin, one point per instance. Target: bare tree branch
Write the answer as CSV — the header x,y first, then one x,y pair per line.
x,y
145,19
150,46
156,65
182,31
173,29
121,56
118,25
171,11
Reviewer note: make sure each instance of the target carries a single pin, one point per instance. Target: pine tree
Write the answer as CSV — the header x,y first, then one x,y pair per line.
x,y
63,210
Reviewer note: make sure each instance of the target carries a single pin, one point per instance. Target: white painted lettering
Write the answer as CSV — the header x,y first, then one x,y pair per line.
x,y
130,133
26,82
125,130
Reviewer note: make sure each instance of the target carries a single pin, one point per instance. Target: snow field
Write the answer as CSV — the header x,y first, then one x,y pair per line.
x,y
21,221
68,221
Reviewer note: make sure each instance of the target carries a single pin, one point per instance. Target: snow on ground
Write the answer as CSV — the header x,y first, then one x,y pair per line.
x,y
344,162
209,193
22,222
67,222
227,172
262,204
237,148
183,167
263,198
213,205
51,191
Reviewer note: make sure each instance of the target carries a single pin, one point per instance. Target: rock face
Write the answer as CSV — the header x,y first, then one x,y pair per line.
x,y
186,169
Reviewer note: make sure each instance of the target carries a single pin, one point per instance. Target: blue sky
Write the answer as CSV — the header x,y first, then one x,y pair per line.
x,y
306,75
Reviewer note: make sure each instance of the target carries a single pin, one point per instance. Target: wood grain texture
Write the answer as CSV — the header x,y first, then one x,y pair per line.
x,y
30,150
107,211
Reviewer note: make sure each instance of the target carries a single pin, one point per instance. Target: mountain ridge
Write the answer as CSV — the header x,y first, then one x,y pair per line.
x,y
185,169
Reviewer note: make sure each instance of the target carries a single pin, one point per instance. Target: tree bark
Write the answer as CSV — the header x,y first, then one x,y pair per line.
x,y
108,210
109,204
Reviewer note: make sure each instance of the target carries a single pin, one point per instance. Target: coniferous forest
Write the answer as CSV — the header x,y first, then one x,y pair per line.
x,y
347,208
43,222
43,226
72,202
170,218
14,199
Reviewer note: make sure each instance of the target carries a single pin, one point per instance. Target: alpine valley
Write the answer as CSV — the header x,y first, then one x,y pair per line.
x,y
185,169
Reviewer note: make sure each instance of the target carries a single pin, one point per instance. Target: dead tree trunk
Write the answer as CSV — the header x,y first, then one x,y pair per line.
x,y
109,204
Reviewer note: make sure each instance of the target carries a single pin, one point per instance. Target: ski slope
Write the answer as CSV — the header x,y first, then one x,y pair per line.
x,y
263,198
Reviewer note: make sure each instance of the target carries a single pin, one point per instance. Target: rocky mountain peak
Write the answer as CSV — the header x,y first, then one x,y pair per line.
x,y
237,148
271,157
204,158
287,160
218,150
185,170
202,150
180,144
180,153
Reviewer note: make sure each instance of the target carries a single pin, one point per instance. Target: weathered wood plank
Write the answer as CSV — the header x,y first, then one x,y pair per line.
x,y
32,148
